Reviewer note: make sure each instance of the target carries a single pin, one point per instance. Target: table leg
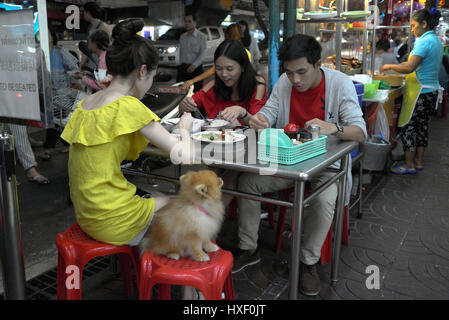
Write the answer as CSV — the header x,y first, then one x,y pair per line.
x,y
339,220
298,210
177,175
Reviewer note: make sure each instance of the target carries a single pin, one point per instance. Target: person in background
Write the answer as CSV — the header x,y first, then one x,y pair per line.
x,y
94,15
443,76
98,42
25,154
421,89
305,94
110,126
192,50
232,32
382,55
61,62
250,43
327,42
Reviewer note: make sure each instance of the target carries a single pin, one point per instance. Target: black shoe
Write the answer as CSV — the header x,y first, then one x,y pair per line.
x,y
245,258
309,281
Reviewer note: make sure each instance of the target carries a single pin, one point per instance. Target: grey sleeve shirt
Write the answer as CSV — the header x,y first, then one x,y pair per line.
x,y
192,48
341,106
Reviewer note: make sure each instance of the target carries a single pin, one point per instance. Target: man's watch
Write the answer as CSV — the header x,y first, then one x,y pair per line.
x,y
339,129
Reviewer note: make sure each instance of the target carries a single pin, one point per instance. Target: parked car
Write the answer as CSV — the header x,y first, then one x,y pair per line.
x,y
168,44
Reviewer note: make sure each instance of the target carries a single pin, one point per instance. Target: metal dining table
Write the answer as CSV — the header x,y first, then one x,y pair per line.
x,y
244,159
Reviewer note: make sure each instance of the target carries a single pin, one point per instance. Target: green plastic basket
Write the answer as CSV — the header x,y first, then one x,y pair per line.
x,y
291,155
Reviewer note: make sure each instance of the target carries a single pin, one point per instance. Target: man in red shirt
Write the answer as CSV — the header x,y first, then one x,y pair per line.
x,y
305,94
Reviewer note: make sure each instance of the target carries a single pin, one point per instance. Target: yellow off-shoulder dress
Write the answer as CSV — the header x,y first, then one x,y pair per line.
x,y
106,205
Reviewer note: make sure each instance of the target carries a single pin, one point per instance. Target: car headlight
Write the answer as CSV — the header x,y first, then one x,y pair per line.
x,y
171,49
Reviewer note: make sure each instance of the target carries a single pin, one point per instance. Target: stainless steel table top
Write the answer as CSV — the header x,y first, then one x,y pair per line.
x,y
233,159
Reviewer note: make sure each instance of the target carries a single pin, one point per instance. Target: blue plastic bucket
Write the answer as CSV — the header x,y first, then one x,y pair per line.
x,y
359,88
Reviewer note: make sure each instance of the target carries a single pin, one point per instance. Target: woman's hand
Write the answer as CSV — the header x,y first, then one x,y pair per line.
x,y
187,105
186,121
187,84
232,113
326,128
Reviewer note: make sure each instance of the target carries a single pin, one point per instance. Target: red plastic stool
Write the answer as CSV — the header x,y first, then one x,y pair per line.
x,y
76,248
326,249
211,277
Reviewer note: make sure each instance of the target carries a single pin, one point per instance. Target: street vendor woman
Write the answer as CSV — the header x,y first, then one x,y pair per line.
x,y
421,89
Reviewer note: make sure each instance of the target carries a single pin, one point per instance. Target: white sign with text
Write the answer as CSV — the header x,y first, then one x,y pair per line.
x,y
19,90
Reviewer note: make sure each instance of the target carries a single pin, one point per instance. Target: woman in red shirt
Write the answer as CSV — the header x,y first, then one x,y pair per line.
x,y
237,91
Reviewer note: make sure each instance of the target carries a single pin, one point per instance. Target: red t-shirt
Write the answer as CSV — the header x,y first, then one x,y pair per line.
x,y
212,105
305,106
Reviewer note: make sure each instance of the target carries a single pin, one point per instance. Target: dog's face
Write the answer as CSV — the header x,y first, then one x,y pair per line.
x,y
204,184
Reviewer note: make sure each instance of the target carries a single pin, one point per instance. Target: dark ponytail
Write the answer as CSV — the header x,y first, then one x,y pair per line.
x,y
432,17
129,51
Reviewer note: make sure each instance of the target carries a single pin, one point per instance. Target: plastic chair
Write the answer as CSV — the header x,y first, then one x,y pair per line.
x,y
76,248
211,277
326,249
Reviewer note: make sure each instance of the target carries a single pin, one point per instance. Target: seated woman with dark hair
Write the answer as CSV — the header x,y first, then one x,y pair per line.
x,y
237,91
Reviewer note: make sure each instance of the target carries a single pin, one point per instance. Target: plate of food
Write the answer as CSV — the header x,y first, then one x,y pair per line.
x,y
355,14
320,14
215,124
223,136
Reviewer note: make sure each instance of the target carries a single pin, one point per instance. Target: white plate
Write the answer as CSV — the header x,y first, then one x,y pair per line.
x,y
196,125
231,137
319,15
216,124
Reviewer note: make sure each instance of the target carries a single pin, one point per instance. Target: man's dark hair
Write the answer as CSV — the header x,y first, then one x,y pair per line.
x,y
192,15
95,10
300,46
383,44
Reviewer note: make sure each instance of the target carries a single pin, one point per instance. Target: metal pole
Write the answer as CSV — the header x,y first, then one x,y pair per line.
x,y
295,251
11,250
373,41
338,37
273,43
289,18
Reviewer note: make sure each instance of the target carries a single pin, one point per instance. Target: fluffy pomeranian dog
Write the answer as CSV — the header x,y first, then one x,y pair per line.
x,y
188,223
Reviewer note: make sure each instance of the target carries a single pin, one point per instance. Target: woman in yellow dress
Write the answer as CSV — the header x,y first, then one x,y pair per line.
x,y
110,126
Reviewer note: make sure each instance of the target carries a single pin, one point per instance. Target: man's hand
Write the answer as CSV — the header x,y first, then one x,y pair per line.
x,y
187,105
326,128
258,121
190,68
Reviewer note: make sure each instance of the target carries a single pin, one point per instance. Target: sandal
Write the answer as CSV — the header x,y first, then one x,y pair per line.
x,y
402,170
44,156
40,179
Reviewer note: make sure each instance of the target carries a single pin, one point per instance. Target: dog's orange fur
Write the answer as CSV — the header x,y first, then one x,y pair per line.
x,y
181,230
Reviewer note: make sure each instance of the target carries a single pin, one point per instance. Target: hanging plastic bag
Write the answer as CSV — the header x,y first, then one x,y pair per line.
x,y
382,128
